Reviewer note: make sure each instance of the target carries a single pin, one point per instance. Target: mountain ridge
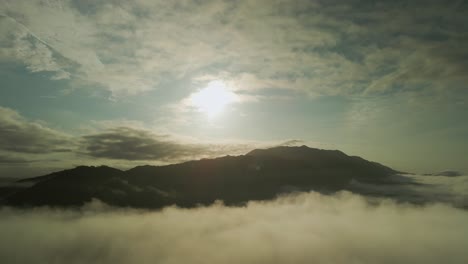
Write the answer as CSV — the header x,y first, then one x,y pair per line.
x,y
261,174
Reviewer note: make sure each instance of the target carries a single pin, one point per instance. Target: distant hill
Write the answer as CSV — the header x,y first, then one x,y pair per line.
x,y
259,175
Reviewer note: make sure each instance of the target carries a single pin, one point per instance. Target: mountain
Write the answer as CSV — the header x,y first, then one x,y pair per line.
x,y
259,175
65,188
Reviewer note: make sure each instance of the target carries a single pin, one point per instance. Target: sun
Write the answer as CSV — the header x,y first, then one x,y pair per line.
x,y
212,99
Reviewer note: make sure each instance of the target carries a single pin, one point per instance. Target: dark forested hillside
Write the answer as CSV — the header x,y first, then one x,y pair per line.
x,y
258,175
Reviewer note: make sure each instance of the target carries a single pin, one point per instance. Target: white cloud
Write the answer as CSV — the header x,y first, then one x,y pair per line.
x,y
305,228
319,48
22,44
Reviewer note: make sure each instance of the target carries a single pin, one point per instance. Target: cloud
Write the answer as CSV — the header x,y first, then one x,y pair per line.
x,y
292,142
120,143
5,159
22,44
316,47
134,144
303,228
140,144
452,190
420,189
20,135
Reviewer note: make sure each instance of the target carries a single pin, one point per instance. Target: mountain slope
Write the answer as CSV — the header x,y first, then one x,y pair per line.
x,y
258,175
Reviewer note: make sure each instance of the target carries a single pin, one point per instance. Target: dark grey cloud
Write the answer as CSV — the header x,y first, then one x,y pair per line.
x,y
8,159
302,228
20,135
136,144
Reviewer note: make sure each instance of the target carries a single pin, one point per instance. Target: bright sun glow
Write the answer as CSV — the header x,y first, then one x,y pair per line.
x,y
213,98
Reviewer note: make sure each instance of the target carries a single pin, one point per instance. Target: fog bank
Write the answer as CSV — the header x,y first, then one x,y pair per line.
x,y
300,228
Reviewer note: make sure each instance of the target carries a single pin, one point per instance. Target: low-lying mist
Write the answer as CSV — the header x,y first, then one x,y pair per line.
x,y
298,228
420,189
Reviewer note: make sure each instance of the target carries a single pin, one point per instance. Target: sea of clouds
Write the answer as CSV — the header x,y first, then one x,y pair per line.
x,y
295,228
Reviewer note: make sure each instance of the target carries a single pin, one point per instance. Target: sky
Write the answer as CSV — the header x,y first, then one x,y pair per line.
x,y
126,83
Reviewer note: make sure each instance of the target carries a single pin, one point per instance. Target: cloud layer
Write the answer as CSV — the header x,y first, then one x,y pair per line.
x,y
137,144
317,47
24,136
419,189
304,228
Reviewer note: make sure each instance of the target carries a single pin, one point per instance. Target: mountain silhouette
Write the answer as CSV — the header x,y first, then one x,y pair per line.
x,y
259,175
